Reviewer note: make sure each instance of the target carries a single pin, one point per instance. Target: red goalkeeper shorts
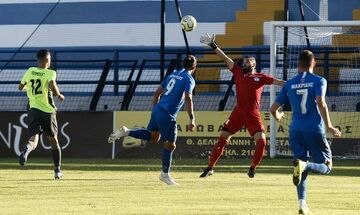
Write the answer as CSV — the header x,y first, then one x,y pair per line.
x,y
238,119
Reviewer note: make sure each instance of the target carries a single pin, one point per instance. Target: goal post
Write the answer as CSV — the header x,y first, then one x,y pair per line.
x,y
330,39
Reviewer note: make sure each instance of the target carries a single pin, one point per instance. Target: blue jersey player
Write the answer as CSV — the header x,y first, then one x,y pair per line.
x,y
170,96
306,94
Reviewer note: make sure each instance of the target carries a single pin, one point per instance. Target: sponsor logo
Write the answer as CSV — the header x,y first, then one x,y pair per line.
x,y
13,136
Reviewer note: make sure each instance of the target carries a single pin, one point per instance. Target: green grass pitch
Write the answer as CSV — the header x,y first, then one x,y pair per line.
x,y
132,187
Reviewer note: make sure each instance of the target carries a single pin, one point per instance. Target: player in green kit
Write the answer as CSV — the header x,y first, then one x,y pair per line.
x,y
40,85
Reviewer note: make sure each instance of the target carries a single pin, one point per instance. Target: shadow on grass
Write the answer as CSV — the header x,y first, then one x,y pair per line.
x,y
64,179
270,166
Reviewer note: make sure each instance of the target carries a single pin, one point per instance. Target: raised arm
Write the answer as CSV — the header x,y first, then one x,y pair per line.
x,y
229,62
210,41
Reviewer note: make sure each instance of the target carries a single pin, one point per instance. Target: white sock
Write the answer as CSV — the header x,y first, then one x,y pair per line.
x,y
304,165
302,203
165,173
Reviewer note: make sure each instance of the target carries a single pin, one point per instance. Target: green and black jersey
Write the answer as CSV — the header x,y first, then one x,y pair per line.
x,y
37,88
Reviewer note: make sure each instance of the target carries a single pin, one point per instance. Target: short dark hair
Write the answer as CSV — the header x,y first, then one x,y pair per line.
x,y
241,60
251,58
42,53
189,62
305,59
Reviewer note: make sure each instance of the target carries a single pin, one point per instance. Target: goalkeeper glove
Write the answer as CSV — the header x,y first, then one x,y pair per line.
x,y
209,40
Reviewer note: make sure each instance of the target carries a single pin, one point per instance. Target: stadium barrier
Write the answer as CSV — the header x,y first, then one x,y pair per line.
x,y
80,135
127,85
200,142
111,84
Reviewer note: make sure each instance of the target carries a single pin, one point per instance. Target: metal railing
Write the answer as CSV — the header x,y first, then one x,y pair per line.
x,y
136,70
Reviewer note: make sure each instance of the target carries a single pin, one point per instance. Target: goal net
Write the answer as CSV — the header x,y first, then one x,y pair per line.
x,y
336,46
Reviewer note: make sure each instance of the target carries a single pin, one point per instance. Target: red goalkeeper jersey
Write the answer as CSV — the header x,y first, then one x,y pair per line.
x,y
248,89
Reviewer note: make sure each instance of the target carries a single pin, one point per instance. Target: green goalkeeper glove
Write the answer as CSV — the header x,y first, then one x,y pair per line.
x,y
209,40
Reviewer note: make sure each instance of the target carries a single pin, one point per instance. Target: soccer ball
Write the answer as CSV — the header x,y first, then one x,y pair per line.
x,y
130,142
188,23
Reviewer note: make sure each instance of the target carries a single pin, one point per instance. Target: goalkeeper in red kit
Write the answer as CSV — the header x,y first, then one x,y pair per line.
x,y
249,86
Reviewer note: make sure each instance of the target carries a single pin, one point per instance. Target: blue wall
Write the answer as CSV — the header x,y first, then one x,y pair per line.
x,y
148,11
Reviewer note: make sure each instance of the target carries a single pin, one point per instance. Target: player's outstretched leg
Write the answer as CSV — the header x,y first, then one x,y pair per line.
x,y
56,154
58,173
299,167
118,133
258,155
31,145
320,168
23,157
301,192
166,164
207,172
215,156
166,177
305,211
251,172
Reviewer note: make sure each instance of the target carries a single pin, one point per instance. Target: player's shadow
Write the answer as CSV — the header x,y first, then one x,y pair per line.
x,y
63,179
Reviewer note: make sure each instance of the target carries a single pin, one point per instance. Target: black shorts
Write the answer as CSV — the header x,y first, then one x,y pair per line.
x,y
39,122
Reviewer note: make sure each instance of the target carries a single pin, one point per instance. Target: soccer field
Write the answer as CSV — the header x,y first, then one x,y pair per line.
x,y
133,187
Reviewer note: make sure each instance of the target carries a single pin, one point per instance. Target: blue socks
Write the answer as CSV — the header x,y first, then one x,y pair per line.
x,y
166,160
318,168
301,188
143,134
310,167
